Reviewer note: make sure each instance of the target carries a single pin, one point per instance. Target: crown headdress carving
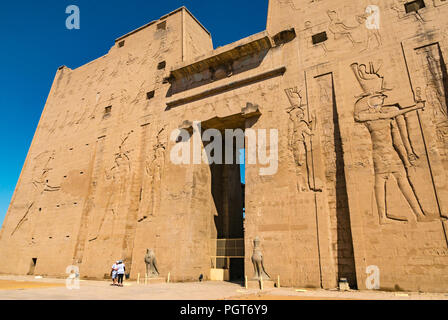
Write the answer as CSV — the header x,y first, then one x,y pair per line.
x,y
368,78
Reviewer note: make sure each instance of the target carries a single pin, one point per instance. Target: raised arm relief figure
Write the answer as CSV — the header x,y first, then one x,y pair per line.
x,y
390,154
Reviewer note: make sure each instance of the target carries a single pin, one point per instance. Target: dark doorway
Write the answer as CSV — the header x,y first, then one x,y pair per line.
x,y
32,266
237,270
227,190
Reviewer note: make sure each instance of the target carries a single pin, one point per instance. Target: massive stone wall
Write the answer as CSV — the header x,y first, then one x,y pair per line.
x,y
393,164
361,115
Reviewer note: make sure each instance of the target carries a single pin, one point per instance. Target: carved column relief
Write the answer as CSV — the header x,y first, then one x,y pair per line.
x,y
115,184
323,99
300,133
434,91
132,216
429,81
154,165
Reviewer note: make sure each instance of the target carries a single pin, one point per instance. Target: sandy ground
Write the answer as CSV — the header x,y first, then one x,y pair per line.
x,y
30,288
21,285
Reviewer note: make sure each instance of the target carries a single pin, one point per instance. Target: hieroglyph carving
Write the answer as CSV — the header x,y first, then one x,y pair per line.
x,y
371,20
433,66
300,133
40,183
116,179
154,165
399,7
340,29
393,155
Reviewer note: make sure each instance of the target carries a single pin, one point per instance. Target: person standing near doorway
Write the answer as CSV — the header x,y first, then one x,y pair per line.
x,y
120,272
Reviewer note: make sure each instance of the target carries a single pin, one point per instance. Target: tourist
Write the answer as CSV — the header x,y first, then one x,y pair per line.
x,y
120,272
113,273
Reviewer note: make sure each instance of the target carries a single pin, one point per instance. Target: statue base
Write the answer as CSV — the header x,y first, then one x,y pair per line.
x,y
150,281
256,284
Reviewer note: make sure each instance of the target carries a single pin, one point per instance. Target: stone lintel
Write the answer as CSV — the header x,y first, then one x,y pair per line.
x,y
224,55
226,87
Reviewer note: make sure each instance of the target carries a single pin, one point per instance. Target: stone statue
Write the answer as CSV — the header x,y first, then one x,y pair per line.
x,y
151,264
257,260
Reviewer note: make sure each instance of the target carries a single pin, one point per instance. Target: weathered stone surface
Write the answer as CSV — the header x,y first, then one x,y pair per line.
x,y
363,152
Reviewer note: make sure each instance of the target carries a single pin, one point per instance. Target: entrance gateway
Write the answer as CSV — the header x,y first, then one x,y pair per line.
x,y
228,193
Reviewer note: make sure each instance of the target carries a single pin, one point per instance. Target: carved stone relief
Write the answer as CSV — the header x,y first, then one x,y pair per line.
x,y
116,180
392,150
152,185
339,29
41,184
399,7
300,134
434,71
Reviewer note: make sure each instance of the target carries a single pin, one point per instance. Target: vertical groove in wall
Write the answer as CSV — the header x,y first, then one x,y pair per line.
x,y
95,166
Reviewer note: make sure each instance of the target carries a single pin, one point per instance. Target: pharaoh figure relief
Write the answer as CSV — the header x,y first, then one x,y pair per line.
x,y
371,19
154,165
339,29
41,184
392,151
116,183
300,133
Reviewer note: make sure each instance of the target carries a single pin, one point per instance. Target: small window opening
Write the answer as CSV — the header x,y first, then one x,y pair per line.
x,y
161,26
121,44
32,266
150,95
161,65
414,6
107,112
320,37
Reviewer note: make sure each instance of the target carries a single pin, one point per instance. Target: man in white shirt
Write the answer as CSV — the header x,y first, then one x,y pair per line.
x,y
120,272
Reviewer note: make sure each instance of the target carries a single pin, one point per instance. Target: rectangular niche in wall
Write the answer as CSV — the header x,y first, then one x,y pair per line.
x,y
32,266
107,112
161,26
414,6
320,37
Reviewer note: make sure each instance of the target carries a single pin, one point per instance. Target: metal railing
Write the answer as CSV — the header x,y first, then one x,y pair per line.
x,y
225,249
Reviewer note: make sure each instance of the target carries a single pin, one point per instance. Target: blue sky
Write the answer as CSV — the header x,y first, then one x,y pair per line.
x,y
35,42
